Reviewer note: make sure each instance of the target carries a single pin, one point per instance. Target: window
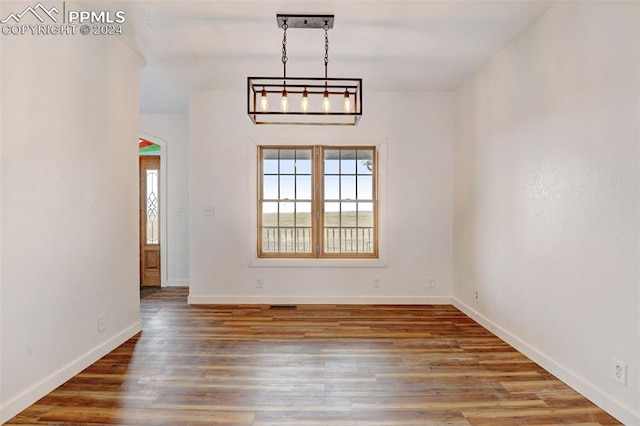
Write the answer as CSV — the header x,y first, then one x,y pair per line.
x,y
317,202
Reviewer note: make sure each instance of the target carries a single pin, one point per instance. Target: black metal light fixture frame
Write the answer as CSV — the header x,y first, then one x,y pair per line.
x,y
349,90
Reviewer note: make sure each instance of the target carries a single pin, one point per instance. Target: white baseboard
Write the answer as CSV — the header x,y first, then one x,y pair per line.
x,y
176,283
318,300
18,403
620,411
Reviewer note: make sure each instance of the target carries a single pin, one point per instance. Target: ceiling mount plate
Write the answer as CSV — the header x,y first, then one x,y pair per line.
x,y
305,21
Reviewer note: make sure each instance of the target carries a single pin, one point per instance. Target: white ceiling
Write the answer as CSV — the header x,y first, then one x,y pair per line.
x,y
393,45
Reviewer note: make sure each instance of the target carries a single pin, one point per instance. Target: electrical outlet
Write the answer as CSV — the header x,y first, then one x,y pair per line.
x,y
619,371
102,323
208,211
376,283
260,283
431,283
476,296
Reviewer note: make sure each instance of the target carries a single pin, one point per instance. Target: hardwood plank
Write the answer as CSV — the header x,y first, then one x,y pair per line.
x,y
242,403
156,416
443,403
313,365
398,418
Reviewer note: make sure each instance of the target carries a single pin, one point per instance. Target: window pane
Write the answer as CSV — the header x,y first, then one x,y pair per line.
x,y
331,187
270,240
349,240
269,214
348,162
348,188
287,190
365,214
331,214
332,227
286,240
303,161
365,162
365,187
270,187
303,240
366,233
365,241
331,162
303,187
270,161
286,214
287,161
348,215
303,214
270,227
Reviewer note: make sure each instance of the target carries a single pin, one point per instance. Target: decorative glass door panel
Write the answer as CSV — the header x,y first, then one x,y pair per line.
x,y
152,208
150,220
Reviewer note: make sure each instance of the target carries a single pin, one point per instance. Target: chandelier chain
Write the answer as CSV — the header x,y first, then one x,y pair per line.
x,y
284,47
326,47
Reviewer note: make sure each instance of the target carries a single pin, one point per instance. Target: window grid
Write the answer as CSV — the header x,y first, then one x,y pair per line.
x,y
349,238
314,231
285,234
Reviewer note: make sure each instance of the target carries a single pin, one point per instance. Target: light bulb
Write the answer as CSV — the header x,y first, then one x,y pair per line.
x,y
264,101
348,107
284,102
326,105
304,106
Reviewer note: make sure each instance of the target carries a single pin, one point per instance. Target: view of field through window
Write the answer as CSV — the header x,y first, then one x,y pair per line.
x,y
346,186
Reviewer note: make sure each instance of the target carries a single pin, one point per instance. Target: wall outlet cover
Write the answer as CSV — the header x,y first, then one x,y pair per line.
x,y
619,371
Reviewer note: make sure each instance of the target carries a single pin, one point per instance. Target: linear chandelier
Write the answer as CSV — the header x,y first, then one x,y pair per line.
x,y
304,100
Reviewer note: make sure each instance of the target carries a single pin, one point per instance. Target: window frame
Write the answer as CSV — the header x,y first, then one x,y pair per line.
x,y
317,203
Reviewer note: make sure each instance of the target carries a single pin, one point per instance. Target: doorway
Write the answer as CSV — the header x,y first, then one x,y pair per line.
x,y
150,248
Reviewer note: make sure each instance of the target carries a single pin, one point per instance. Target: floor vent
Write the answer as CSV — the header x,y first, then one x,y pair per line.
x,y
283,307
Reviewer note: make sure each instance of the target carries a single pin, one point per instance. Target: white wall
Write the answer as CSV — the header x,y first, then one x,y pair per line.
x,y
415,131
69,209
172,132
546,197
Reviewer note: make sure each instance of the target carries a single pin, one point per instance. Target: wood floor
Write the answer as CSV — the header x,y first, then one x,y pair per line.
x,y
314,365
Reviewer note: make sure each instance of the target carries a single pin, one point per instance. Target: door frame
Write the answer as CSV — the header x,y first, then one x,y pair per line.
x,y
163,204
